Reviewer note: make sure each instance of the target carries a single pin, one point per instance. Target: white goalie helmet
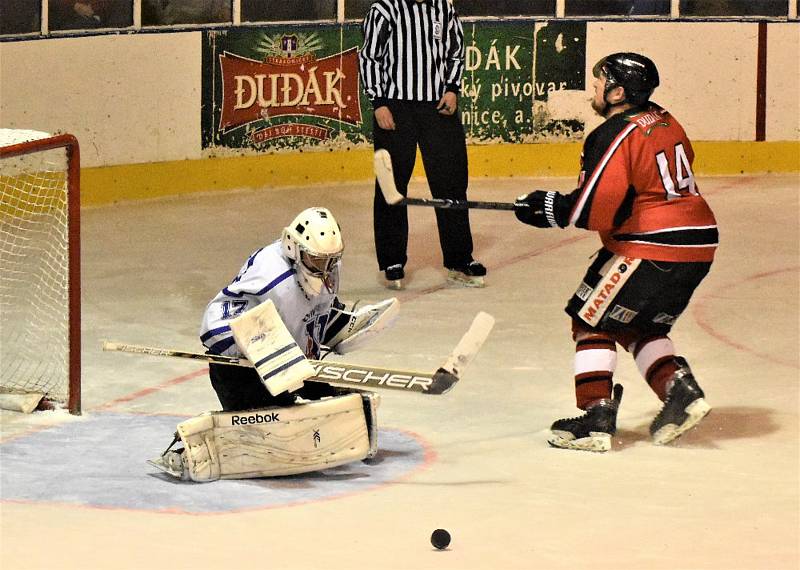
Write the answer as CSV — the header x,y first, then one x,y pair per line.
x,y
313,242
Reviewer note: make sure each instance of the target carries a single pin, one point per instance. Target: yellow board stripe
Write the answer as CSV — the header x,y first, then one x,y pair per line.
x,y
110,184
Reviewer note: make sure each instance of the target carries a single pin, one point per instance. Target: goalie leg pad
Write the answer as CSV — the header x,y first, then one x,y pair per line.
x,y
317,435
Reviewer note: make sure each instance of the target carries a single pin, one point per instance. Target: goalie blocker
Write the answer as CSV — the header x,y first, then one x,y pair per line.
x,y
311,436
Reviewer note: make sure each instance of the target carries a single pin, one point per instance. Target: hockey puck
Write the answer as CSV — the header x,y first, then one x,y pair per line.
x,y
440,539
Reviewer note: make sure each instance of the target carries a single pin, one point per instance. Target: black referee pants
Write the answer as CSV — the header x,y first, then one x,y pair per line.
x,y
444,154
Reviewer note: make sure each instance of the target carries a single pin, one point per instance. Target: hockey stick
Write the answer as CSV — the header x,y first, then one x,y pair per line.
x,y
383,172
346,374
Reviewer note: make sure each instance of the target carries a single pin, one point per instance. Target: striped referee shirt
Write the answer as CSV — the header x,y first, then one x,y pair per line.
x,y
413,51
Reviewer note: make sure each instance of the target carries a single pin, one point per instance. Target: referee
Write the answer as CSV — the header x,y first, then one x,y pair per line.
x,y
411,66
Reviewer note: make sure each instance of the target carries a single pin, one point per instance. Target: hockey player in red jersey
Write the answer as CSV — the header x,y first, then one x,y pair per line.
x,y
637,190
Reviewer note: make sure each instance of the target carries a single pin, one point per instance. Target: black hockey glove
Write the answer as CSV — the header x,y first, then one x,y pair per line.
x,y
543,209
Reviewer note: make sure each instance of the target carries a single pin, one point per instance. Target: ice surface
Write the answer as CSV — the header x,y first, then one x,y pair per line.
x,y
723,496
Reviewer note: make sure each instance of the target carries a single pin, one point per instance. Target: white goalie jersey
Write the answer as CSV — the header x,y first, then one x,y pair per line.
x,y
267,274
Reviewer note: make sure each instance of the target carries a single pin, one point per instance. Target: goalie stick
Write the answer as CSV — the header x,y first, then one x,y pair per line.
x,y
385,176
356,375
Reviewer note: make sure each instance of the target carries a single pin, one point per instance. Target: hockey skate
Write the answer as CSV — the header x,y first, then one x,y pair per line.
x,y
471,275
394,276
683,409
590,432
171,461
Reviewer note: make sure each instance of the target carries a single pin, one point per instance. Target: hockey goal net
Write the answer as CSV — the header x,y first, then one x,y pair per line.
x,y
39,271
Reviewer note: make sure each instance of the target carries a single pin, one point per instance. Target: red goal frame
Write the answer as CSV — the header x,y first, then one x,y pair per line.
x,y
70,144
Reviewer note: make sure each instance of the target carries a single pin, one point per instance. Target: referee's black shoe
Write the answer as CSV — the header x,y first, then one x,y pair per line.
x,y
394,276
469,275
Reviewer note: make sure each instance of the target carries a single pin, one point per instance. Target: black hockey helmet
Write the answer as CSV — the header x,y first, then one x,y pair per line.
x,y
636,73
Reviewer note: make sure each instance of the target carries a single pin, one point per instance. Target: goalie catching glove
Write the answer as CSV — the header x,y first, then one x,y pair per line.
x,y
544,209
348,330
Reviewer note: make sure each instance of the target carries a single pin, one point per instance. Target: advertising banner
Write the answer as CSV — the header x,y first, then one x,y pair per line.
x,y
511,70
273,88
270,89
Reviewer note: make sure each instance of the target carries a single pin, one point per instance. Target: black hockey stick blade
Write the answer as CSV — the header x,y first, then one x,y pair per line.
x,y
443,382
385,174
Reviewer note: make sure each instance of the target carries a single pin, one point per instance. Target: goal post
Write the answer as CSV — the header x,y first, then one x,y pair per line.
x,y
40,325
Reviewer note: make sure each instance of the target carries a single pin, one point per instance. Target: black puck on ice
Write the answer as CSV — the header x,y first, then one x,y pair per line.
x,y
440,538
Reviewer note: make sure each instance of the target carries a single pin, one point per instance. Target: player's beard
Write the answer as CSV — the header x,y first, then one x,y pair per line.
x,y
598,109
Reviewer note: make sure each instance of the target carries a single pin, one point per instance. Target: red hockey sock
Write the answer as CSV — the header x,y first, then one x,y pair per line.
x,y
655,358
595,361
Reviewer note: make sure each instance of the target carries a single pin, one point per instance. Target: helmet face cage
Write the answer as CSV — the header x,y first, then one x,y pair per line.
x,y
320,267
633,72
319,264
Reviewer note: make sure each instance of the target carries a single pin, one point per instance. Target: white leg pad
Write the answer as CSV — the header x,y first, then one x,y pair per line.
x,y
262,336
271,442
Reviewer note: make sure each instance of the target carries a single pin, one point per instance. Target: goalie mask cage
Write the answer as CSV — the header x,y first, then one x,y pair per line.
x,y
40,268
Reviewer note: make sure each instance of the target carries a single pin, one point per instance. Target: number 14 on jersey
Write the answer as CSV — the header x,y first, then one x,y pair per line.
x,y
683,182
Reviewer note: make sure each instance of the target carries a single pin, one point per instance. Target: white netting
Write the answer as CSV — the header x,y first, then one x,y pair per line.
x,y
34,264
16,136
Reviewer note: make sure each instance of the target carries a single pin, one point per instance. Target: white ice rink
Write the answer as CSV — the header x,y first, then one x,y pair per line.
x,y
78,494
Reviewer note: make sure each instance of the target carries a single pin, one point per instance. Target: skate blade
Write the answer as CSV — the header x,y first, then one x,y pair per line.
x,y
597,441
396,285
458,278
696,411
162,465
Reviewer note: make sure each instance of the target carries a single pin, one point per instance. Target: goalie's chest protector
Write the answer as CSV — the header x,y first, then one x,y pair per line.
x,y
306,319
267,274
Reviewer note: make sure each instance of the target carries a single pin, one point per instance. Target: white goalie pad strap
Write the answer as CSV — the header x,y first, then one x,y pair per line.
x,y
262,336
371,401
271,442
363,324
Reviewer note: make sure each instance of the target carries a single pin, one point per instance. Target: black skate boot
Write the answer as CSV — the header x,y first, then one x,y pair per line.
x,y
470,275
683,409
593,430
394,276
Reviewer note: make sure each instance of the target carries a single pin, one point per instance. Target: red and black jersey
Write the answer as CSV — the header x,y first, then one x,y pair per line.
x,y
637,189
